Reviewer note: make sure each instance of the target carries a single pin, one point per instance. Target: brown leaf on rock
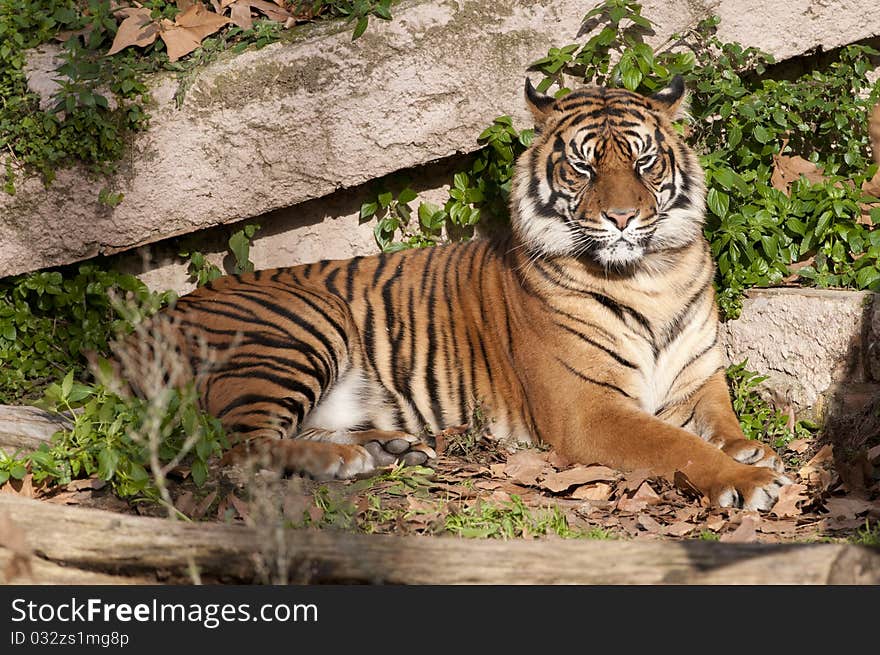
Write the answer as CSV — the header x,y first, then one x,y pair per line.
x,y
138,28
188,30
789,497
598,491
745,533
525,466
557,482
240,14
240,11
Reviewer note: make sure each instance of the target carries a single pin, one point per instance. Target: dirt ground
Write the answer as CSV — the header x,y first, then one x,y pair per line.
x,y
480,487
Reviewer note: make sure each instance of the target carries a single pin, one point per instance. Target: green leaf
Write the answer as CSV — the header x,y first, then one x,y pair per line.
x,y
762,135
407,196
240,246
199,472
632,78
67,385
385,199
108,460
360,28
368,209
718,202
867,276
17,471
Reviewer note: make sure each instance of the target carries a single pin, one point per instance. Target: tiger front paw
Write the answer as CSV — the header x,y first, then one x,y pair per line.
x,y
749,487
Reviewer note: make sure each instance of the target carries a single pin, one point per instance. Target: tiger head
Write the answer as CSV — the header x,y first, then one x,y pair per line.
x,y
608,178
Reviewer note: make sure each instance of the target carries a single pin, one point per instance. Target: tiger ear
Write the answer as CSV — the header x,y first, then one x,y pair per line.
x,y
670,100
539,104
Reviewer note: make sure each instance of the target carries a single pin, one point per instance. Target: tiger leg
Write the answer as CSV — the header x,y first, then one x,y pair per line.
x,y
617,433
316,459
714,420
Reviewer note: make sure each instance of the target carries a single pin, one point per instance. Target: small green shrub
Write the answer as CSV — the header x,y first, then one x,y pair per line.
x,y
48,319
757,417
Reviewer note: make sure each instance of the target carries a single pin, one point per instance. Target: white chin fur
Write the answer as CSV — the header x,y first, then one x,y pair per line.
x,y
619,254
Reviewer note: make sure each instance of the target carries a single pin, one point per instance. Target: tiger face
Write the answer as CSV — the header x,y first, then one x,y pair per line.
x,y
608,178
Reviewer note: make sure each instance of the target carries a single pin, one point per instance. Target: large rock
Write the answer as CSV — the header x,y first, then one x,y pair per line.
x,y
816,346
300,119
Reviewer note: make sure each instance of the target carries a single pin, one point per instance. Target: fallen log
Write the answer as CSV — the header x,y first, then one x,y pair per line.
x,y
24,428
135,549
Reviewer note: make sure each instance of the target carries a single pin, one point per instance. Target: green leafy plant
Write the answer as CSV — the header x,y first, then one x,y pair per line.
x,y
48,319
757,417
477,195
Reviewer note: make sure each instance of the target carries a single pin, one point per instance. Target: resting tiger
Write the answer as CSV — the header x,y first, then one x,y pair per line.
x,y
592,327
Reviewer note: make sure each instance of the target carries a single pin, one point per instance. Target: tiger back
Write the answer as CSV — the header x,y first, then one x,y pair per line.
x,y
591,327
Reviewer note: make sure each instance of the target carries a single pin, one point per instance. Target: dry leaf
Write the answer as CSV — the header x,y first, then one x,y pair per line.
x,y
789,496
578,475
240,506
23,487
745,533
817,472
138,29
185,503
633,480
789,169
202,507
649,524
188,30
847,507
646,492
525,466
681,482
874,454
599,491
558,461
799,445
631,505
679,529
716,522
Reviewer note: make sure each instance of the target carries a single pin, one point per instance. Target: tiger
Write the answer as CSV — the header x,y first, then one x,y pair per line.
x,y
590,325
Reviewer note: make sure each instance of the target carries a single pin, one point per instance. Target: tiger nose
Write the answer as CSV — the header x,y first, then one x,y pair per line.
x,y
621,217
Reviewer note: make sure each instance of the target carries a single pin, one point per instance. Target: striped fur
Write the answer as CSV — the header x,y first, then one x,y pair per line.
x,y
592,327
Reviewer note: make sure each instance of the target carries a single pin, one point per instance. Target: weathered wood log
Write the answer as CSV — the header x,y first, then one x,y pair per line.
x,y
103,542
26,428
